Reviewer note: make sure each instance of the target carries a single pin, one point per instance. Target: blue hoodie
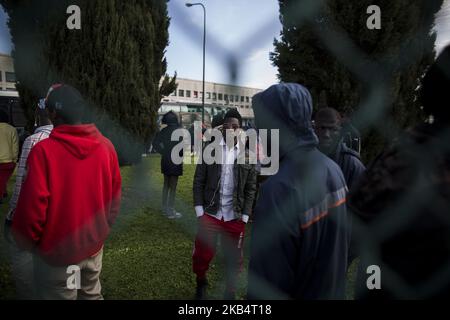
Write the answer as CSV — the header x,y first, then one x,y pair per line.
x,y
300,236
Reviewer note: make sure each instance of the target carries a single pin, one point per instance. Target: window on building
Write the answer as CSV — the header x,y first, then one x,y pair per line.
x,y
231,98
10,77
208,95
214,96
181,93
247,99
220,96
188,93
242,98
1,75
225,97
195,94
236,98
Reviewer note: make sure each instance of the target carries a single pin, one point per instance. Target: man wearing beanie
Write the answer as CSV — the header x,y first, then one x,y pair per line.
x,y
68,202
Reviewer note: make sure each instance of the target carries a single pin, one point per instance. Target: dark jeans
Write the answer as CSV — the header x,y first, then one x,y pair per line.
x,y
168,196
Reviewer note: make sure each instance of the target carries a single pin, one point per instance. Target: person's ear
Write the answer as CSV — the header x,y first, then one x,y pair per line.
x,y
52,114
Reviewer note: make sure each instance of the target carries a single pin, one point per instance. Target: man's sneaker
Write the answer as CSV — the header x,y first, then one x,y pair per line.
x,y
174,215
200,291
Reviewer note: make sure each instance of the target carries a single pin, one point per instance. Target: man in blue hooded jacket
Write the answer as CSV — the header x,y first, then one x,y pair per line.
x,y
300,236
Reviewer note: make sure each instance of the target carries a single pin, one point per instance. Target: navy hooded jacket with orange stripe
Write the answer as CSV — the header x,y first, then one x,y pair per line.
x,y
300,237
70,197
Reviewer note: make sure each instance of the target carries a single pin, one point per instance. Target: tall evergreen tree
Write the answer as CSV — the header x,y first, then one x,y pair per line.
x,y
327,46
168,85
116,61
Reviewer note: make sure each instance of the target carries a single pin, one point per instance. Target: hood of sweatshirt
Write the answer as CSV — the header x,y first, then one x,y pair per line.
x,y
79,140
287,106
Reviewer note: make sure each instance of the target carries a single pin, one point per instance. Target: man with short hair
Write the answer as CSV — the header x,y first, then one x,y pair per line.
x,y
9,152
328,126
69,201
22,260
223,198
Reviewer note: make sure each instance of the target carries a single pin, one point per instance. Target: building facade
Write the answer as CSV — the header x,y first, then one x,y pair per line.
x,y
186,100
216,94
7,74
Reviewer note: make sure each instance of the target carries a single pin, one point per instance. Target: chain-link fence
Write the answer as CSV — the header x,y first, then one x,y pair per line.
x,y
400,219
406,235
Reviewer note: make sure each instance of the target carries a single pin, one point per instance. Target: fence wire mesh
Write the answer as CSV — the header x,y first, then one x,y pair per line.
x,y
417,199
419,211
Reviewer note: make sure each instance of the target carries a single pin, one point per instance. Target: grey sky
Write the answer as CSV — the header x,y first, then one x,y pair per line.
x,y
5,38
443,26
235,23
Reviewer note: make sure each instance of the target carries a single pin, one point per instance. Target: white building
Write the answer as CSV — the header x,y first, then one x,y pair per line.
x,y
186,100
7,75
190,91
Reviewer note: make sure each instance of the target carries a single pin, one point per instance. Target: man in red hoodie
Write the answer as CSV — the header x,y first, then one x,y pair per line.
x,y
68,202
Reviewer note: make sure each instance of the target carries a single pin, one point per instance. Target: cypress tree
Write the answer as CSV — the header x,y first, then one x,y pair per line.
x,y
116,61
327,46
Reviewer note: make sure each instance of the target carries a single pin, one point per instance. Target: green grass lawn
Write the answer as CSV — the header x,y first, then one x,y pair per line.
x,y
148,256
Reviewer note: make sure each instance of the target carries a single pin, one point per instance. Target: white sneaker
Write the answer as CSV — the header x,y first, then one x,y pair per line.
x,y
174,215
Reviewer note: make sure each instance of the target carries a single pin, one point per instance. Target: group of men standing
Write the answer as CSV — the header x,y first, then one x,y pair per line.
x,y
301,230
68,191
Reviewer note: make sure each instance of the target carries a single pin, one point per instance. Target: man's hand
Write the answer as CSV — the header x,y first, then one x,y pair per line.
x,y
199,211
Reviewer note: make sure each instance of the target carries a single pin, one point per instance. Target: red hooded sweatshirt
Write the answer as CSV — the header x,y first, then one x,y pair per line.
x,y
70,197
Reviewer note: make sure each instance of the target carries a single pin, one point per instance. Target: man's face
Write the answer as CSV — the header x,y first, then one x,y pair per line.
x,y
328,131
230,124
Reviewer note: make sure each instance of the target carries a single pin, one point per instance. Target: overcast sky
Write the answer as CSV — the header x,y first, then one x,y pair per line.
x,y
443,26
240,33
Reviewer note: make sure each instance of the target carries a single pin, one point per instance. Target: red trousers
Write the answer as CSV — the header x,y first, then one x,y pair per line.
x,y
232,239
6,170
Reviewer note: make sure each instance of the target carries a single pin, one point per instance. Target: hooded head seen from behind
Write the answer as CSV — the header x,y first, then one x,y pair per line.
x,y
287,107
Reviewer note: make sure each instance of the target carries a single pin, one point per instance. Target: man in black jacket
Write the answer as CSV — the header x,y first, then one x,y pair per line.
x,y
223,198
403,203
328,125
